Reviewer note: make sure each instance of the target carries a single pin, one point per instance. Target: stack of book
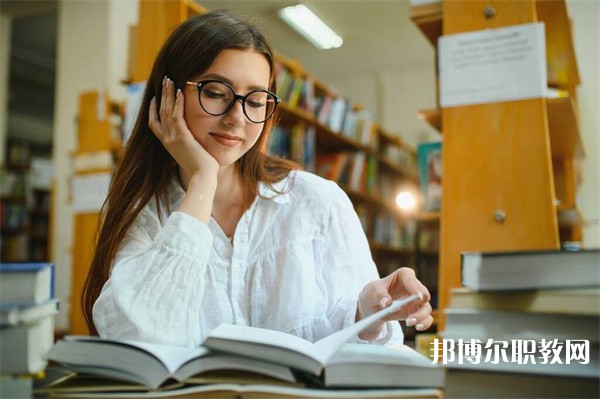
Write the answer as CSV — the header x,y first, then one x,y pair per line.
x,y
27,309
524,324
246,362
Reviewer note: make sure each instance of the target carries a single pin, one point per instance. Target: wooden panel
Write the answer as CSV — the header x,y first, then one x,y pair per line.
x,y
158,18
564,128
428,18
495,157
94,123
560,54
84,235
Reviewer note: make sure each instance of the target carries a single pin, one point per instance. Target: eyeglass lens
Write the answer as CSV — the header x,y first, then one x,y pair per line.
x,y
217,98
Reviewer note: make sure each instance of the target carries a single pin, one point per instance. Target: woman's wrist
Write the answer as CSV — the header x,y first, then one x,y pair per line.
x,y
199,196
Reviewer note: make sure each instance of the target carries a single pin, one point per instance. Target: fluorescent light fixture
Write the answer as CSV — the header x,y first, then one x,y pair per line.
x,y
305,22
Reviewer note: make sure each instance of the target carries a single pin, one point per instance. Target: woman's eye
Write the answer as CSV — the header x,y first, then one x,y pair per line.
x,y
255,104
213,94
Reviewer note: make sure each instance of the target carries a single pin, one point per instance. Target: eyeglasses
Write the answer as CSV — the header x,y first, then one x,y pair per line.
x,y
217,98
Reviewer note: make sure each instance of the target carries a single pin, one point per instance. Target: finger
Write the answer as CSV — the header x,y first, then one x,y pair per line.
x,y
404,282
379,295
170,105
420,315
163,105
424,324
178,118
153,121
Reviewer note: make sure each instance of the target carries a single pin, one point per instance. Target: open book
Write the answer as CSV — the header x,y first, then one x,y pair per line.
x,y
252,350
151,365
289,350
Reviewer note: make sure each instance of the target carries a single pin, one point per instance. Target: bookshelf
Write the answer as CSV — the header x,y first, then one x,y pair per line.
x,y
388,159
530,171
25,202
98,146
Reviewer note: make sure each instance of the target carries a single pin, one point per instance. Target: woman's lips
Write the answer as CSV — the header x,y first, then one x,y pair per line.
x,y
226,140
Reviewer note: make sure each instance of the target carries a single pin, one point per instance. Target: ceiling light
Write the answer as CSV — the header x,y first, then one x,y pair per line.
x,y
305,22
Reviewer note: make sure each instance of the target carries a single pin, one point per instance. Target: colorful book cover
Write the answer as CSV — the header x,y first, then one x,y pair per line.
x,y
430,174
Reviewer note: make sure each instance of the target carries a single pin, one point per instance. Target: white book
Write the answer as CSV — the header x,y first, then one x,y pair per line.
x,y
23,284
531,269
22,347
22,315
149,364
287,349
228,347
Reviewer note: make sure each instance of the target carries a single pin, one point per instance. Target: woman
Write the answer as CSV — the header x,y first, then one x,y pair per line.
x,y
201,227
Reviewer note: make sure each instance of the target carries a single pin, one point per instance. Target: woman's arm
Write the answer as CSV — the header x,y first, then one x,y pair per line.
x,y
156,285
348,266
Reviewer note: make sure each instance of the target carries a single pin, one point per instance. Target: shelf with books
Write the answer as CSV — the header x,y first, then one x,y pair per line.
x,y
24,201
370,164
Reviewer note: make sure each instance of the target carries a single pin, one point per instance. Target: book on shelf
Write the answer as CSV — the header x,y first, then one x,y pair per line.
x,y
23,284
576,301
531,269
429,158
25,345
12,316
472,323
475,384
16,386
267,353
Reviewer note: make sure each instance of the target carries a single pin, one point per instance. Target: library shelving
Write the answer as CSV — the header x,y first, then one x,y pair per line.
x,y
511,169
372,164
25,202
343,143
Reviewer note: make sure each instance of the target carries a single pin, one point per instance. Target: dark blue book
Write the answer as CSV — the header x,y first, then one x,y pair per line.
x,y
25,284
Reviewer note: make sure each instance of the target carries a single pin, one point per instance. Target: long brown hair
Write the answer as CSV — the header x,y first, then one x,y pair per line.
x,y
145,169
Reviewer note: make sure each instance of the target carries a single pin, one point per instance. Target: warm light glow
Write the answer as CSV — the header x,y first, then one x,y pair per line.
x,y
406,200
305,22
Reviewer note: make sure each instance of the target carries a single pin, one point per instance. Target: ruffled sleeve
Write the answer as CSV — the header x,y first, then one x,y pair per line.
x,y
156,284
348,266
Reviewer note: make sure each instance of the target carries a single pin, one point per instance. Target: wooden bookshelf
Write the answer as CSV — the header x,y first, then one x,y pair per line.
x,y
516,158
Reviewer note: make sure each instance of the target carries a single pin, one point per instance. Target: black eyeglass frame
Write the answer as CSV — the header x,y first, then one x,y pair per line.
x,y
236,97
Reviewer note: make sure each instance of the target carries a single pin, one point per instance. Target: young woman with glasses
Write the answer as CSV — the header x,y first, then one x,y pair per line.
x,y
202,227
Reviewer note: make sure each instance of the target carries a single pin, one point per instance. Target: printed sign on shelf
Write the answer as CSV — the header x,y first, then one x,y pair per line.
x,y
493,65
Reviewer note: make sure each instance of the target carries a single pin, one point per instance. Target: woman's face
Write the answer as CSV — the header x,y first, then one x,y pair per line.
x,y
229,136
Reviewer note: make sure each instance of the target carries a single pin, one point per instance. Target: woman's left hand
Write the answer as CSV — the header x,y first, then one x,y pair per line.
x,y
379,294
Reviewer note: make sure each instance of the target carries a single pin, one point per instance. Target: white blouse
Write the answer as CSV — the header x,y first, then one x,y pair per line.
x,y
297,264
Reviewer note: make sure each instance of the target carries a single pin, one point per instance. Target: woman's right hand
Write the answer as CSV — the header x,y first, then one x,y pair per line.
x,y
173,132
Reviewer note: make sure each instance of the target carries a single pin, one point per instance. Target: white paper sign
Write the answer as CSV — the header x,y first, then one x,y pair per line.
x,y
493,65
89,192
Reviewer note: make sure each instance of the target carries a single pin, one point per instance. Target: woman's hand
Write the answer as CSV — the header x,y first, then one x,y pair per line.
x,y
379,294
173,132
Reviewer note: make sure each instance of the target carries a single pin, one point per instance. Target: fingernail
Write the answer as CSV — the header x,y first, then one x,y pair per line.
x,y
164,80
178,93
420,295
383,303
420,326
411,321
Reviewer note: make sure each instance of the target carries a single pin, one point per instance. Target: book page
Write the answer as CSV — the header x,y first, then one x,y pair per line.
x,y
262,336
172,357
392,354
327,346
